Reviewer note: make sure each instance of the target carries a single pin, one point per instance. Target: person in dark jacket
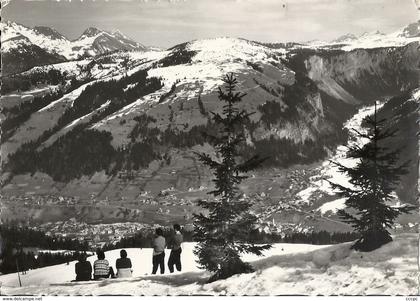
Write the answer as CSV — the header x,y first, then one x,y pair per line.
x,y
175,256
123,265
83,269
159,244
101,268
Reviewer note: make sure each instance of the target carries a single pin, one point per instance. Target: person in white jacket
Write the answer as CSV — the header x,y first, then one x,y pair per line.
x,y
123,265
159,244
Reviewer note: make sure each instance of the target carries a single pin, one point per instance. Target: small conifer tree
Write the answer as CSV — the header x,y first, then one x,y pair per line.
x,y
373,181
223,234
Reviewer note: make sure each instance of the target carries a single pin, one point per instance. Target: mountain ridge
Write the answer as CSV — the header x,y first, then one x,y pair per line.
x,y
90,43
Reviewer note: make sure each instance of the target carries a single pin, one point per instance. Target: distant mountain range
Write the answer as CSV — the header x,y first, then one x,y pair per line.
x,y
25,47
46,45
408,34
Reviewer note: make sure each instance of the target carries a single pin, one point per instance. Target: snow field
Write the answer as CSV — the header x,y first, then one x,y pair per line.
x,y
141,260
298,269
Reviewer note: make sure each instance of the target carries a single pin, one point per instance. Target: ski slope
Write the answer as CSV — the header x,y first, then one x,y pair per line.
x,y
287,269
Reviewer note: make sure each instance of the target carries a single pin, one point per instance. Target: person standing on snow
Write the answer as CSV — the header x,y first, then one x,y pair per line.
x,y
175,256
159,244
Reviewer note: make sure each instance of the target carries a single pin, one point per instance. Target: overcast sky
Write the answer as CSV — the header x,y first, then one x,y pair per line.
x,y
165,23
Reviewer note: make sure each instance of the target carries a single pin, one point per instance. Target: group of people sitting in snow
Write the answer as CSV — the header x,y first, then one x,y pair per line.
x,y
102,269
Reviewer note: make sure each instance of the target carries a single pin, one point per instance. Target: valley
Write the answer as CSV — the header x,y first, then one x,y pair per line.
x,y
109,136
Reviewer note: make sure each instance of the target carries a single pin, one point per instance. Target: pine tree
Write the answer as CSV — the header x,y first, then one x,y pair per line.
x,y
224,233
125,64
373,180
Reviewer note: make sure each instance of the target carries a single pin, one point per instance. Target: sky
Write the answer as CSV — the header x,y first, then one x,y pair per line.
x,y
165,23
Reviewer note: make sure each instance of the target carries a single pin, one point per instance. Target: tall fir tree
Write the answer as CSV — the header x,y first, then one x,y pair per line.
x,y
373,180
223,234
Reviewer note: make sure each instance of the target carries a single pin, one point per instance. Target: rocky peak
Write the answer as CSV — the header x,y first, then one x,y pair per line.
x,y
91,32
49,32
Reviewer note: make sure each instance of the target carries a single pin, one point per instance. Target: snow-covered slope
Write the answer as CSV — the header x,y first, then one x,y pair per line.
x,y
287,269
46,118
198,67
142,264
211,59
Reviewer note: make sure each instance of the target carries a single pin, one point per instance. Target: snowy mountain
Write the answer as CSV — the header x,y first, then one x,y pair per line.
x,y
287,269
22,47
94,41
17,38
49,32
45,37
374,39
411,31
347,38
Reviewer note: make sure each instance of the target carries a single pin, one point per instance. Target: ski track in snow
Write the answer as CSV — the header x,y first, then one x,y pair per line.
x,y
298,269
